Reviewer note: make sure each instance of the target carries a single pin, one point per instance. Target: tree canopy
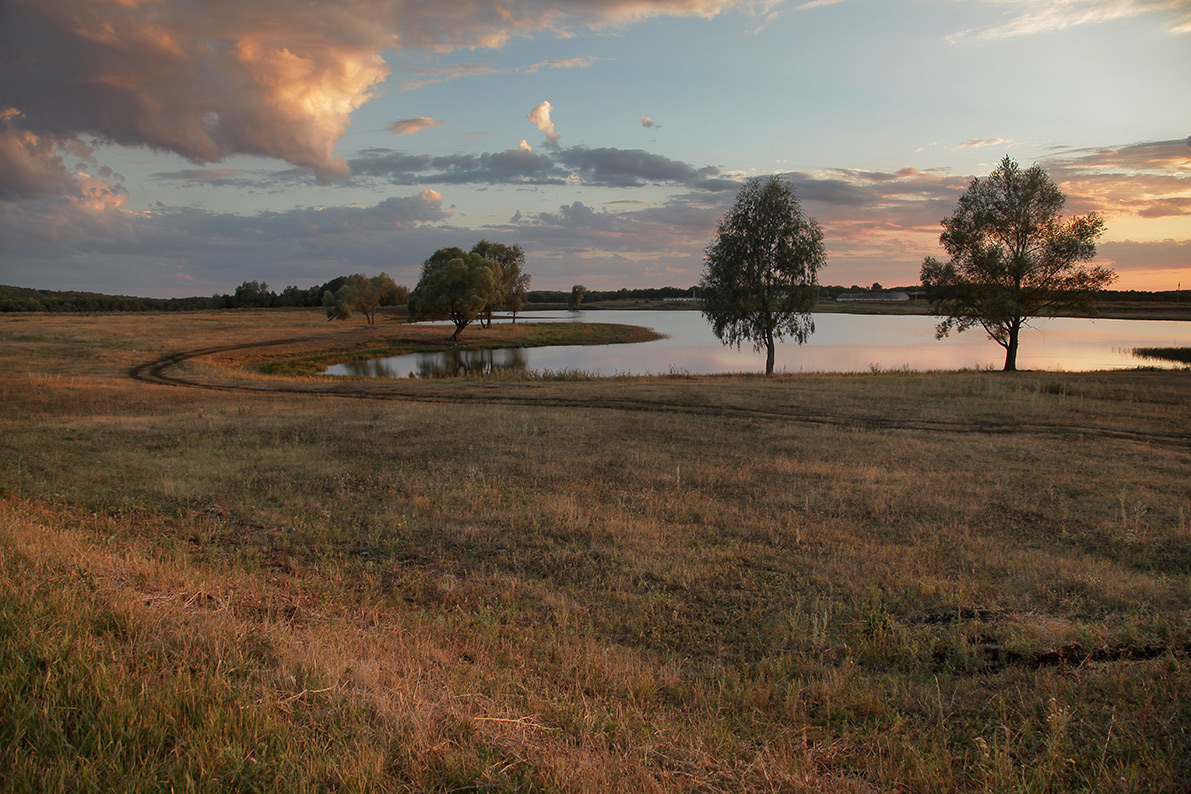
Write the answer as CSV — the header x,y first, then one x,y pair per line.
x,y
760,279
1012,257
455,286
358,293
514,284
578,292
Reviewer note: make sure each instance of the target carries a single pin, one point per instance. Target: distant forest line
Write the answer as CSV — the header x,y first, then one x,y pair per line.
x,y
254,294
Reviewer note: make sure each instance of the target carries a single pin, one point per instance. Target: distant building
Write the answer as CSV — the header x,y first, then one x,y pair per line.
x,y
873,296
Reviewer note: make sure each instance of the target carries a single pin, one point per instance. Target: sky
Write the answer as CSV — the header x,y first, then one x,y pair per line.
x,y
170,148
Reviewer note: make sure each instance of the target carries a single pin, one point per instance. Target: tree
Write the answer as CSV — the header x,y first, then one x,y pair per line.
x,y
252,293
577,293
513,283
1012,257
359,293
456,286
761,276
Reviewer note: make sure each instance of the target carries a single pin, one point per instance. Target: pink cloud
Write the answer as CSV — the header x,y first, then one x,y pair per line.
x,y
266,77
411,126
540,116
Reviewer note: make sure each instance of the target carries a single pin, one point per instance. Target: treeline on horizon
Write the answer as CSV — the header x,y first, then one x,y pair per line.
x,y
256,294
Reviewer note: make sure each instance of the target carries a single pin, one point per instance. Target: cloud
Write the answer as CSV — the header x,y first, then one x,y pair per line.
x,y
878,224
37,166
1160,156
1149,180
411,126
450,72
31,166
606,167
647,122
1166,208
445,74
581,62
199,82
816,4
540,116
976,143
98,246
1043,16
635,167
267,77
511,166
216,177
1159,255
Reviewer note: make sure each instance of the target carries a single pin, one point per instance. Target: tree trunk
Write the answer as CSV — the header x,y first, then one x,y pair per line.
x,y
769,349
1011,349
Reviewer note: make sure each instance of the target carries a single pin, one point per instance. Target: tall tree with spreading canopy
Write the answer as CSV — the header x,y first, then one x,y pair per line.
x,y
514,284
761,276
455,286
578,292
1012,257
358,293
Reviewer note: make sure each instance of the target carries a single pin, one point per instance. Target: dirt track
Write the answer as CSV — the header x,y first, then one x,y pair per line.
x,y
690,399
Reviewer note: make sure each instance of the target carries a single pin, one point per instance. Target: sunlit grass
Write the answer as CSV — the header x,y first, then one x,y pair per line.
x,y
896,581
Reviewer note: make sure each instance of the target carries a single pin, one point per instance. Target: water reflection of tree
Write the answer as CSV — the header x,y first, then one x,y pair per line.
x,y
456,363
375,368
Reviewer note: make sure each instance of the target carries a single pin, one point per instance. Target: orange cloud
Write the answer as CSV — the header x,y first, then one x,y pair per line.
x,y
540,116
411,126
266,77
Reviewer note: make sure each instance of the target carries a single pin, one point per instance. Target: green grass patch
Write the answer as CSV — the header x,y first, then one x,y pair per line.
x,y
409,339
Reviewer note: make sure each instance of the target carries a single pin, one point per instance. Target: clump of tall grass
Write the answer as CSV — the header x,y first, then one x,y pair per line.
x,y
1181,355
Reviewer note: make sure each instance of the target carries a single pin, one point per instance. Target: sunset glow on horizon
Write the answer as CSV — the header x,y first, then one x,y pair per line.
x,y
168,149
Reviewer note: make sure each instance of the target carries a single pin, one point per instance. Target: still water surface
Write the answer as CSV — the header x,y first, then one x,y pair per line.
x,y
841,343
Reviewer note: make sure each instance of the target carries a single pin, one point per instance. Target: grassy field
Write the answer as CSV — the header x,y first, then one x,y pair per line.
x,y
213,578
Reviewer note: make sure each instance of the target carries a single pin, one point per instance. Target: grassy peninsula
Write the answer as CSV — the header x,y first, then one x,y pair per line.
x,y
217,578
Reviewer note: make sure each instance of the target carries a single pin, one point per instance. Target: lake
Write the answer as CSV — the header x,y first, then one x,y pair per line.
x,y
841,343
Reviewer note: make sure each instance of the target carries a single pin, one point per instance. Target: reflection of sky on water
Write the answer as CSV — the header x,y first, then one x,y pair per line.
x,y
841,343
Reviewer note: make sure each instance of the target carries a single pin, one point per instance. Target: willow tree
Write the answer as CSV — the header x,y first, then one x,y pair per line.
x,y
514,284
455,286
358,293
1012,257
761,276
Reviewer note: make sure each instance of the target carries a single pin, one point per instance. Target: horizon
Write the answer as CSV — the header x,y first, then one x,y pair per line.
x,y
148,150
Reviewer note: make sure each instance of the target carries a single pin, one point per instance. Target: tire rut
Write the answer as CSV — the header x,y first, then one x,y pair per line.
x,y
157,371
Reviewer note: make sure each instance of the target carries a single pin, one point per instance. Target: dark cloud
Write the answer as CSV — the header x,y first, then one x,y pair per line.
x,y
266,77
1166,208
578,215
1172,255
1147,156
608,167
632,167
185,251
202,81
31,166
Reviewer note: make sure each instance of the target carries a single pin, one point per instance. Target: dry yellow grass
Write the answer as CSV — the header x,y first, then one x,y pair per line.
x,y
894,582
